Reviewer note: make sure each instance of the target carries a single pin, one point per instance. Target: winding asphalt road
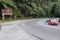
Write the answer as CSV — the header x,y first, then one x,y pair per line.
x,y
18,30
41,30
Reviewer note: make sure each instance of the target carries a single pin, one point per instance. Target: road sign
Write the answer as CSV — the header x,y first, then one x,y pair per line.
x,y
6,11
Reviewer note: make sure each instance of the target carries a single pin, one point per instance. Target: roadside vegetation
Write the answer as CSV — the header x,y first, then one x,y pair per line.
x,y
32,8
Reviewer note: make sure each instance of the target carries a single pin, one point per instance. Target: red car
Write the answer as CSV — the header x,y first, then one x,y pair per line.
x,y
52,22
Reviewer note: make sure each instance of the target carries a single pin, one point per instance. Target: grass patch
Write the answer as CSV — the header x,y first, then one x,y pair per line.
x,y
12,19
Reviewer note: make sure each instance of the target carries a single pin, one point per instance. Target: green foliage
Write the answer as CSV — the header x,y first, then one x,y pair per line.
x,y
47,10
15,12
55,10
5,3
40,8
34,8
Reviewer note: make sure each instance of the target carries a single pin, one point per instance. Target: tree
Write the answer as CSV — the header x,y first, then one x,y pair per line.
x,y
55,10
8,4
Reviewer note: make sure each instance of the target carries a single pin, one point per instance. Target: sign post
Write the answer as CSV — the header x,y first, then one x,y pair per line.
x,y
3,12
3,17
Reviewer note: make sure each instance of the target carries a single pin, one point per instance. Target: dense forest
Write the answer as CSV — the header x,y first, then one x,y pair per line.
x,y
32,8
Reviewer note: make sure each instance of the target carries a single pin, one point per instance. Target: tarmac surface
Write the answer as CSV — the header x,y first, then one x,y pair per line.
x,y
33,29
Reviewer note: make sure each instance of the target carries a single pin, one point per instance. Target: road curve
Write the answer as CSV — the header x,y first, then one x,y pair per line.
x,y
36,29
40,29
